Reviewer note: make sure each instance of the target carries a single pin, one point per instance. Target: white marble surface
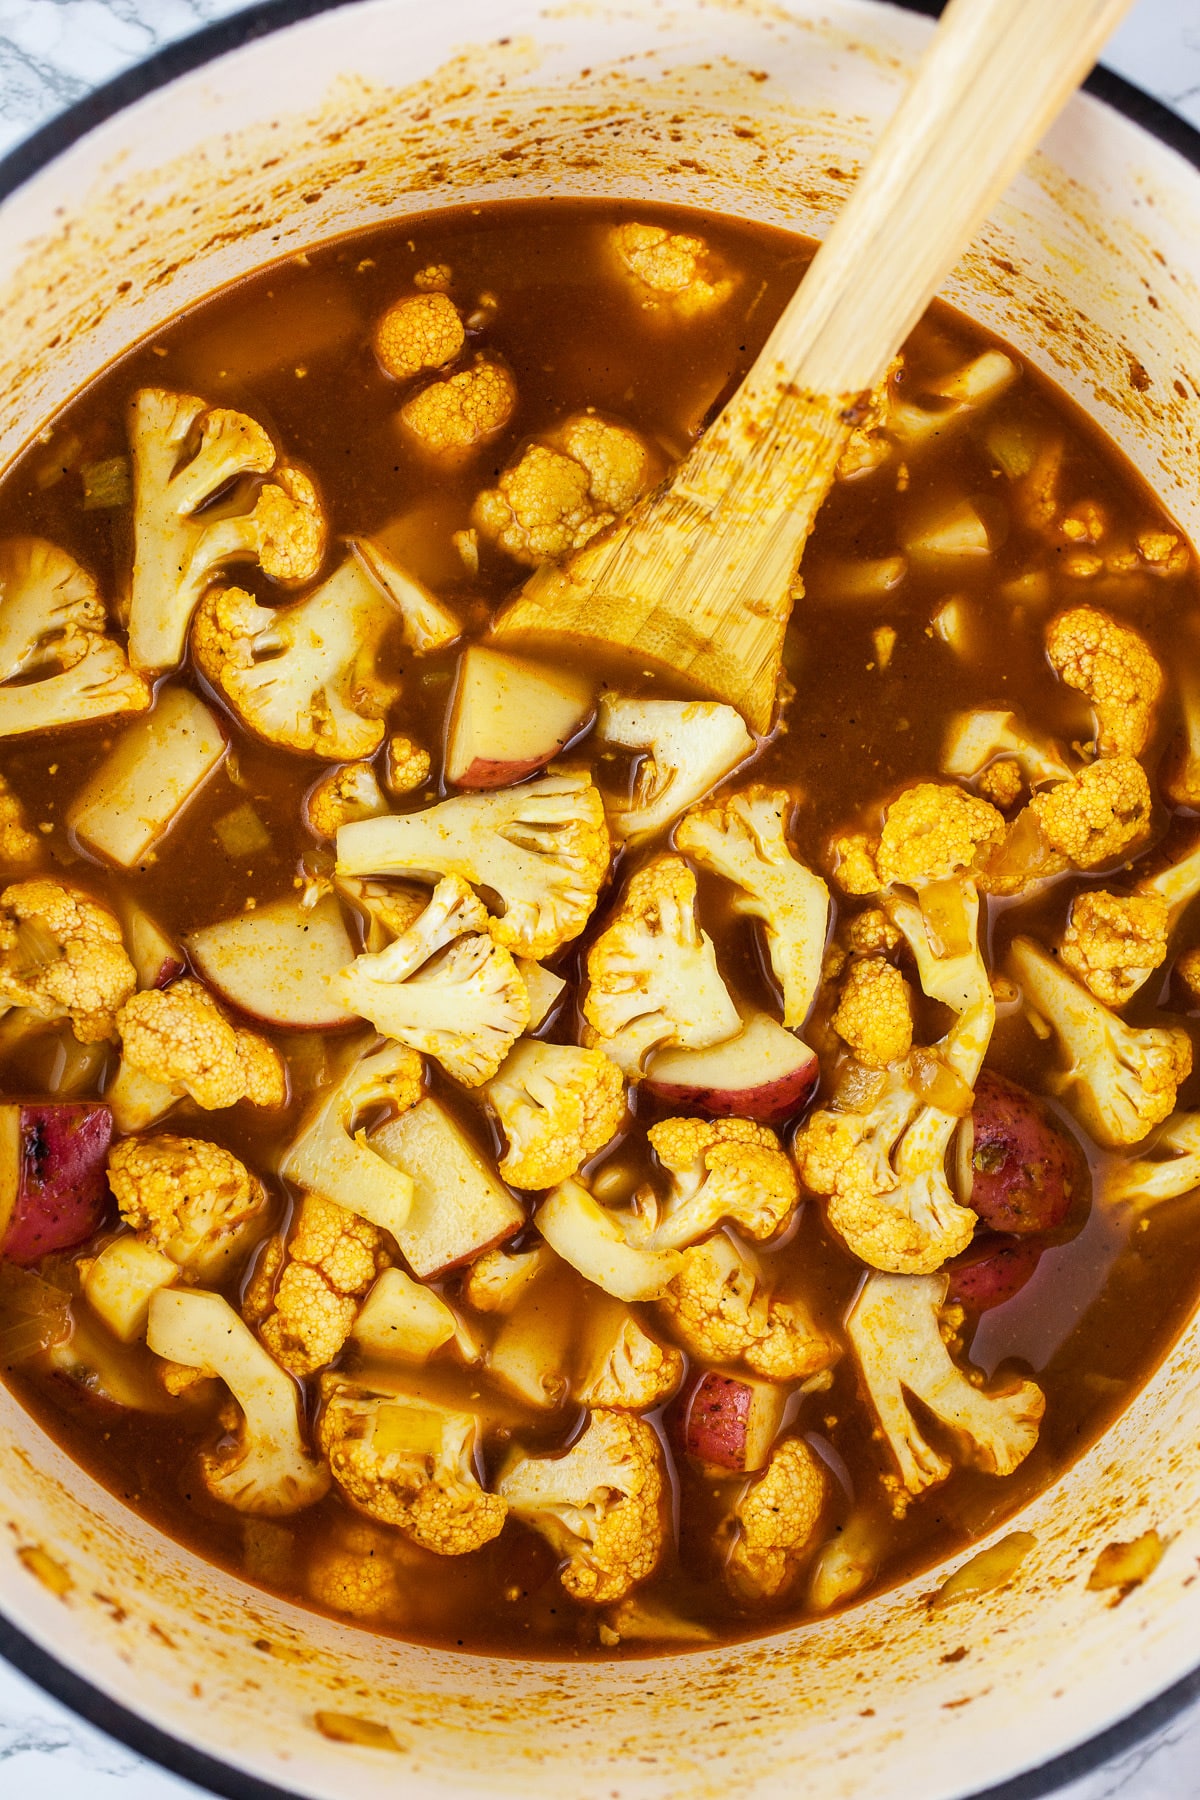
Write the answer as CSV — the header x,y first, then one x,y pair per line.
x,y
51,53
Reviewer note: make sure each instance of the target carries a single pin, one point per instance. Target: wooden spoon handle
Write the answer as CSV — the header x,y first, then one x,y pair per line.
x,y
996,74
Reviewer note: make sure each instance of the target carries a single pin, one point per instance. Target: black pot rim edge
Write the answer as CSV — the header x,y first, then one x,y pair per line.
x,y
27,159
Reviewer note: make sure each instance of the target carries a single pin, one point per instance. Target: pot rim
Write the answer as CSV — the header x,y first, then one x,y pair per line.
x,y
88,1702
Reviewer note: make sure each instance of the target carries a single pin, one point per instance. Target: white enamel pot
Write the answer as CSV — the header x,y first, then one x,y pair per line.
x,y
296,122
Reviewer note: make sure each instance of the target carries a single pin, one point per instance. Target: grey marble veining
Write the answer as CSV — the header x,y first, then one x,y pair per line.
x,y
51,53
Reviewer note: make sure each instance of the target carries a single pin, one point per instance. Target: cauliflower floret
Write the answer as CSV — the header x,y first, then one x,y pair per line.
x,y
191,1200
894,1327
542,848
17,843
1169,1169
62,957
778,1518
420,332
354,1570
872,933
181,543
687,747
653,979
409,1463
722,1311
601,1506
52,617
1001,783
350,792
723,1169
744,838
332,1259
933,831
1114,942
1114,666
496,1281
466,1007
264,1468
332,1157
671,268
179,1037
307,675
406,765
1098,814
463,411
564,489
1120,1081
852,857
973,739
874,1013
556,1105
622,1365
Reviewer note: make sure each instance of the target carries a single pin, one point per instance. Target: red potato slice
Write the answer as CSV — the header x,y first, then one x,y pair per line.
x,y
459,1207
156,957
509,717
992,1271
1018,1169
149,776
731,1422
278,963
53,1181
764,1073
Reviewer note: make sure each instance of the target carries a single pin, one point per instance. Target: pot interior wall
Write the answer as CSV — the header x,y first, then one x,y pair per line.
x,y
1090,268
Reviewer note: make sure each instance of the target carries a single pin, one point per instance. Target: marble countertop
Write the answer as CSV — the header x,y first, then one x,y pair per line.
x,y
51,53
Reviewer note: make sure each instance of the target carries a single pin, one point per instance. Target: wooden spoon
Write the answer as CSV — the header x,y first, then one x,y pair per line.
x,y
698,577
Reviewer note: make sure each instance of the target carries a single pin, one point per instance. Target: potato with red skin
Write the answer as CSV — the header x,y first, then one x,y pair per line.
x,y
53,1183
1024,1170
993,1270
731,1421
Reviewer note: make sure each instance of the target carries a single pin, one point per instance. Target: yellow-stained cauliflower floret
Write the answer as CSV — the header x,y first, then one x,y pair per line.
x,y
601,1506
933,831
192,1200
722,1312
1098,814
332,1259
350,792
854,869
1188,969
406,765
409,1463
557,1105
1001,783
1114,666
62,956
872,933
564,489
778,1516
463,410
1114,942
423,331
291,527
17,843
721,1169
180,1037
874,1013
671,266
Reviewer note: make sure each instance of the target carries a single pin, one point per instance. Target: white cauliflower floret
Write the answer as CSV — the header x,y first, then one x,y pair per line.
x,y
1169,1168
1114,666
191,1200
179,1037
556,1105
673,270
305,1299
622,1366
264,1468
542,848
306,676
409,1463
332,1157
185,455
52,618
744,838
722,1310
1121,1081
62,956
459,414
466,1006
1114,942
422,331
894,1328
687,747
351,792
778,1518
721,1169
607,1247
563,489
601,1506
653,979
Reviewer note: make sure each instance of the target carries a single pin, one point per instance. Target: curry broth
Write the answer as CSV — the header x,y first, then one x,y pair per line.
x,y
292,347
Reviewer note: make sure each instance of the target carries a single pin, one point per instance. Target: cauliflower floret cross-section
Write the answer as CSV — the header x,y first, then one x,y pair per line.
x,y
63,957
1117,670
721,1169
185,454
330,1263
722,1311
1114,942
557,1105
410,1464
778,1518
653,979
563,489
686,747
190,1199
331,1155
179,1037
601,1506
52,619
